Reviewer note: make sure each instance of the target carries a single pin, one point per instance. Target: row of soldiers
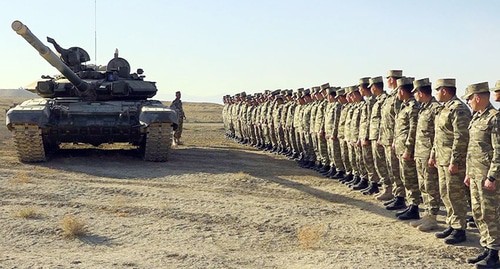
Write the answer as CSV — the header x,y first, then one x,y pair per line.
x,y
406,146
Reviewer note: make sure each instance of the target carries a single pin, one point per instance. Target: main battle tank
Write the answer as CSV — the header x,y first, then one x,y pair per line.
x,y
89,105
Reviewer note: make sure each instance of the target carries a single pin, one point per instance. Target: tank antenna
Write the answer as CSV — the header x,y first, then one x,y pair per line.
x,y
95,32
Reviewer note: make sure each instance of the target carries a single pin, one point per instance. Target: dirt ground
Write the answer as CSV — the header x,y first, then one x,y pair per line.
x,y
214,204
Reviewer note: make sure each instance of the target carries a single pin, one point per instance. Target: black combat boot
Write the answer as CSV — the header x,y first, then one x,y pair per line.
x,y
347,177
327,172
444,233
457,236
399,203
355,180
480,257
386,203
371,189
325,169
399,213
363,183
490,261
338,175
411,213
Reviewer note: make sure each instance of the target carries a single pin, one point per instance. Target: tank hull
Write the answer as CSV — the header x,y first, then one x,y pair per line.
x,y
71,120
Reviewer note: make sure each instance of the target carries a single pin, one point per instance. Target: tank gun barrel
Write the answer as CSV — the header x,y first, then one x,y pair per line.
x,y
49,56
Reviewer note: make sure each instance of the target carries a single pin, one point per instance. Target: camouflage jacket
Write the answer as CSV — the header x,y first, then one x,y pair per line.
x,y
364,118
290,114
177,106
297,117
319,122
406,127
388,113
306,118
483,153
424,138
329,119
375,116
312,120
342,121
452,136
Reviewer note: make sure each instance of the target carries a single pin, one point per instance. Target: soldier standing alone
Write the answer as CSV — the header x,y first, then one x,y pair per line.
x,y
177,105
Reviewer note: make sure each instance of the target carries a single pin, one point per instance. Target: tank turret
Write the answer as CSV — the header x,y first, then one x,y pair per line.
x,y
88,82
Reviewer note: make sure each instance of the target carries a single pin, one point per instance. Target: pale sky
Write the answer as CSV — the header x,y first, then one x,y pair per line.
x,y
210,48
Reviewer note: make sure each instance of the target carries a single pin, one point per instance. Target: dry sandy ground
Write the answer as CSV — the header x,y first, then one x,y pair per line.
x,y
215,204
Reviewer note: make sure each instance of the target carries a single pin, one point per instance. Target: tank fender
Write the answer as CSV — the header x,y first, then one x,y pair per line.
x,y
155,114
34,111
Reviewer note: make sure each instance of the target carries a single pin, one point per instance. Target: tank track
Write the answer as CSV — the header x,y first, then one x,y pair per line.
x,y
158,142
29,143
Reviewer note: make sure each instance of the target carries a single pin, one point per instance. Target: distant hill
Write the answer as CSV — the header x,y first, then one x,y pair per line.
x,y
16,93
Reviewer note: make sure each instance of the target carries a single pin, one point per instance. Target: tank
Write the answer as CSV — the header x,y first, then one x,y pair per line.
x,y
89,104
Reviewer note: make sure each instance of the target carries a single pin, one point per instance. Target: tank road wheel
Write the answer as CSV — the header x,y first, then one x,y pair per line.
x,y
158,142
29,143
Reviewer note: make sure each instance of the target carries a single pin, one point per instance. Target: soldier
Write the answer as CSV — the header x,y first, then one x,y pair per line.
x,y
427,175
352,123
308,150
334,141
376,87
329,120
404,146
482,170
369,183
448,155
343,127
389,110
177,106
319,128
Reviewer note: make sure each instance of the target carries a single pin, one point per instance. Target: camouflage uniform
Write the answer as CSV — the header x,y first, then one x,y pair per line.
x,y
319,128
334,142
342,131
450,147
364,135
389,110
355,155
378,153
404,142
427,176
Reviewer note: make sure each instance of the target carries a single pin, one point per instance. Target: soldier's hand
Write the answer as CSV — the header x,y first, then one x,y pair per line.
x,y
407,156
365,143
467,181
489,185
453,168
358,143
432,162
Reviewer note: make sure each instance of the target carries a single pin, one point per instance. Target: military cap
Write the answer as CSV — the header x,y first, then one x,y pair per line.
x,y
476,88
237,95
375,80
420,83
332,90
300,89
445,82
340,91
316,89
351,89
275,92
395,73
307,92
267,92
365,80
497,87
279,97
288,92
325,86
243,94
404,81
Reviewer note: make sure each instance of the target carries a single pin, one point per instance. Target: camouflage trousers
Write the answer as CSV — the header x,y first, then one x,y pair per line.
x,y
379,163
280,137
408,174
352,159
178,131
359,161
344,149
298,143
454,196
272,136
323,150
308,147
392,164
429,186
314,140
486,212
368,163
335,154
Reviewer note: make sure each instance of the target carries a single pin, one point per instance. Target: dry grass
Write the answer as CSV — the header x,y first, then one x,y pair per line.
x,y
27,213
309,236
73,227
118,206
21,177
